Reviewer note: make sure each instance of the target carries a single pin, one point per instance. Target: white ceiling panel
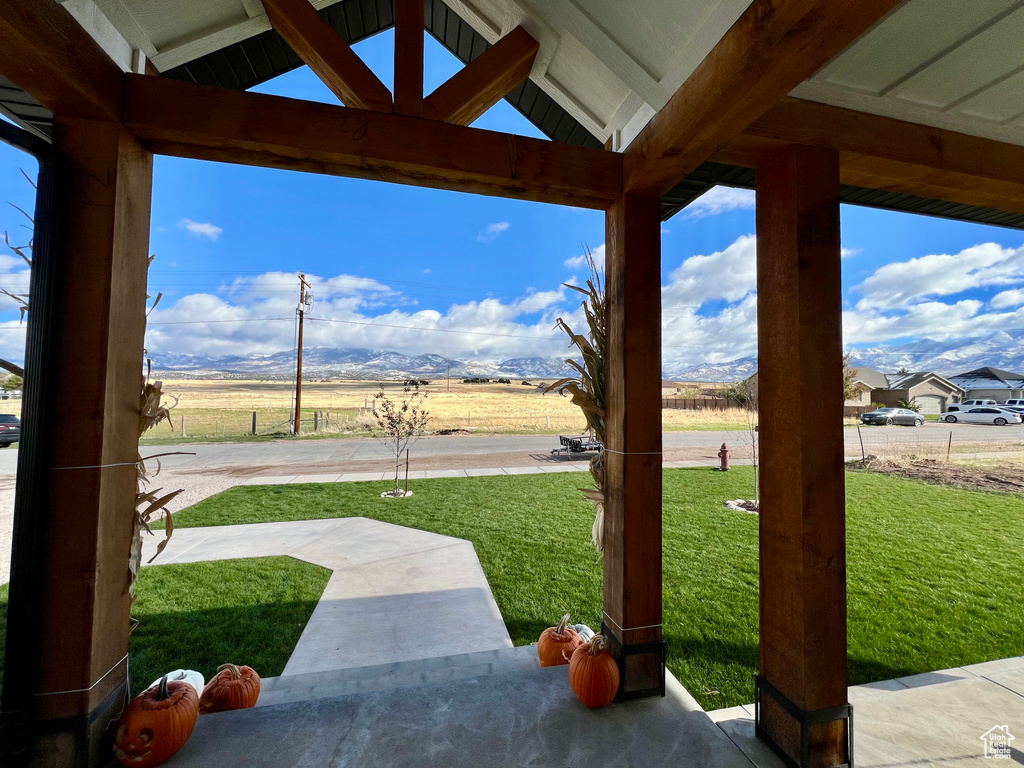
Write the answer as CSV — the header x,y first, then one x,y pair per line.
x,y
950,64
979,61
1002,102
907,40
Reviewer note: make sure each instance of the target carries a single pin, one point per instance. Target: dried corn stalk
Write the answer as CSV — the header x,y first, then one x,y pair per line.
x,y
587,388
150,505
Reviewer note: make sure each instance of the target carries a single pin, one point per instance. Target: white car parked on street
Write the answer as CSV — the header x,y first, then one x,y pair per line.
x,y
984,415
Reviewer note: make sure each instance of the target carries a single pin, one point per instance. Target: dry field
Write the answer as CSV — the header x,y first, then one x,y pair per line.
x,y
214,408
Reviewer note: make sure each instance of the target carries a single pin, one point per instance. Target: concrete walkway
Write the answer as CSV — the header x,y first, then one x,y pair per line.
x,y
395,594
931,719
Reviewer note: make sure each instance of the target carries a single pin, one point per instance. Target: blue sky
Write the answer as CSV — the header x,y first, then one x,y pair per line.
x,y
417,270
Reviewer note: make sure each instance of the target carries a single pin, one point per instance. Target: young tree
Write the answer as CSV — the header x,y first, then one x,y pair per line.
x,y
746,395
14,382
849,390
399,422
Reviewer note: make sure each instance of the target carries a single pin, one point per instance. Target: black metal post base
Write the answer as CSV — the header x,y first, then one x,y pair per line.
x,y
805,721
623,653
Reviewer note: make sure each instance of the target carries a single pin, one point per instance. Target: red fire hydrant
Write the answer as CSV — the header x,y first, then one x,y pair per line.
x,y
724,456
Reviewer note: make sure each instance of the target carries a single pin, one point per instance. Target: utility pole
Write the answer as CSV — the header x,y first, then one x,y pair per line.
x,y
297,427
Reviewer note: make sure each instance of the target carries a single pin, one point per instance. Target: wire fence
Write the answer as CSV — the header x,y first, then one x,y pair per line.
x,y
931,442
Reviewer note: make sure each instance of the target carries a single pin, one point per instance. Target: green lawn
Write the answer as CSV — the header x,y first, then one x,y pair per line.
x,y
200,615
935,573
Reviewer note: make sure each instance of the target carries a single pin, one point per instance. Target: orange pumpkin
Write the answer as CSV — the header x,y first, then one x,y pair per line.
x,y
156,724
594,673
232,687
556,644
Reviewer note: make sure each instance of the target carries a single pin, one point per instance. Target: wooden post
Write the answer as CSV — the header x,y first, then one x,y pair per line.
x,y
99,323
254,422
632,528
802,520
409,57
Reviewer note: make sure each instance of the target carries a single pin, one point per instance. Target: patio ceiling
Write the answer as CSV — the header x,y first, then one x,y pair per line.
x,y
602,72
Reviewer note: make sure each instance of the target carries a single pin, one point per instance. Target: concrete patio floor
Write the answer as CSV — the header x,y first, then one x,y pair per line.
x,y
523,717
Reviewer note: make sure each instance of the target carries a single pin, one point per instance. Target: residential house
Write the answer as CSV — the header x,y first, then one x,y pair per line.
x,y
669,388
931,391
990,383
865,381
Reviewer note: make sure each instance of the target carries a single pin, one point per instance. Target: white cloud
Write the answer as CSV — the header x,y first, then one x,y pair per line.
x,y
720,200
580,262
729,274
371,314
1014,298
849,253
492,231
201,229
905,282
426,271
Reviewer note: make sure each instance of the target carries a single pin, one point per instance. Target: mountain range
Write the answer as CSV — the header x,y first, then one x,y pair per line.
x,y
375,364
1004,349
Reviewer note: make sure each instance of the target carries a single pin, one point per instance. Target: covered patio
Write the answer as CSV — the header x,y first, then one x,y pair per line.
x,y
913,106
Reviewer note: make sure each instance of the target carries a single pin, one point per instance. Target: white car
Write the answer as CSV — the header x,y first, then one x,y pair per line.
x,y
977,402
1014,402
984,415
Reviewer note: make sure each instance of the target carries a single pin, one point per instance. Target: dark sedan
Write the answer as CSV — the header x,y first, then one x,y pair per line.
x,y
887,416
10,429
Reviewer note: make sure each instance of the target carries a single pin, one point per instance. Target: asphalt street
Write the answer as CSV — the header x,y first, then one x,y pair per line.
x,y
342,451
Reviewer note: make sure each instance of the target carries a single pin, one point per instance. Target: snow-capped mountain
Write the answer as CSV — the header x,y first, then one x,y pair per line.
x,y
734,370
327,362
1003,349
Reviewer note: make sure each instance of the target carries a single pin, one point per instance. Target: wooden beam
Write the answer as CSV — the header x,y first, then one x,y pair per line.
x,y
632,529
881,171
797,121
331,58
204,123
884,153
802,521
409,57
484,81
46,53
773,47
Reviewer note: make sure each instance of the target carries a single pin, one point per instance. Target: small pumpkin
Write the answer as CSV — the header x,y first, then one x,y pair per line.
x,y
233,687
556,644
594,673
156,724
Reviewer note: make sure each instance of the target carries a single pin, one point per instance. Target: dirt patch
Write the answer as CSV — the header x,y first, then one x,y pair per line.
x,y
990,478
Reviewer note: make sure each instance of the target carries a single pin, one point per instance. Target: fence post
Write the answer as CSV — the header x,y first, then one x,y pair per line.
x,y
316,421
254,422
183,426
949,448
327,419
